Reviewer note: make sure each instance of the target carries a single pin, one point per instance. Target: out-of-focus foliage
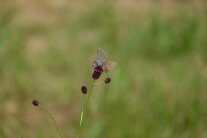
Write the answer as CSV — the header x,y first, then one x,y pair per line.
x,y
158,89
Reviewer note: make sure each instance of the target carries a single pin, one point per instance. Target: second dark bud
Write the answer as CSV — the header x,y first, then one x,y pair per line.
x,y
84,89
108,80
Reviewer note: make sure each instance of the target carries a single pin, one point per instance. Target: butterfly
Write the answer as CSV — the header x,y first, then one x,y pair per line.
x,y
101,63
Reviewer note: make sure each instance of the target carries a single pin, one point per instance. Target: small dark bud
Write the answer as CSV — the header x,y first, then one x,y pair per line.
x,y
35,102
84,89
108,80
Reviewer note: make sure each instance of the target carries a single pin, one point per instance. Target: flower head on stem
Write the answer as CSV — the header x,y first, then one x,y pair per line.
x,y
36,103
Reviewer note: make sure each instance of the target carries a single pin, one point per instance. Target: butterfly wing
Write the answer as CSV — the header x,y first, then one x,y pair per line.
x,y
109,65
101,57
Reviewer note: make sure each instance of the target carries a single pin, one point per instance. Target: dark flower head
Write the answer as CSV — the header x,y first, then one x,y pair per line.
x,y
108,80
97,72
35,102
84,89
96,75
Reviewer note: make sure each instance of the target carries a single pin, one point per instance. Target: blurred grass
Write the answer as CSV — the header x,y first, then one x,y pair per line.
x,y
158,89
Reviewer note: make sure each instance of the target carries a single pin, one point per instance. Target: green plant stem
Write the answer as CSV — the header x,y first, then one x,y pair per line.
x,y
81,116
85,104
88,98
52,119
84,108
98,83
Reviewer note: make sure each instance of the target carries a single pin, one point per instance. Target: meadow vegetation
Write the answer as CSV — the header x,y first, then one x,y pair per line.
x,y
158,90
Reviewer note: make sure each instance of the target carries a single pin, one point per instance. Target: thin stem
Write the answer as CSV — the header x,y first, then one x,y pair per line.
x,y
81,117
84,108
52,119
98,83
89,96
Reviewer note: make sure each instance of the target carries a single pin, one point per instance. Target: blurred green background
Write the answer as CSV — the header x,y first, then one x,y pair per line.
x,y
158,90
